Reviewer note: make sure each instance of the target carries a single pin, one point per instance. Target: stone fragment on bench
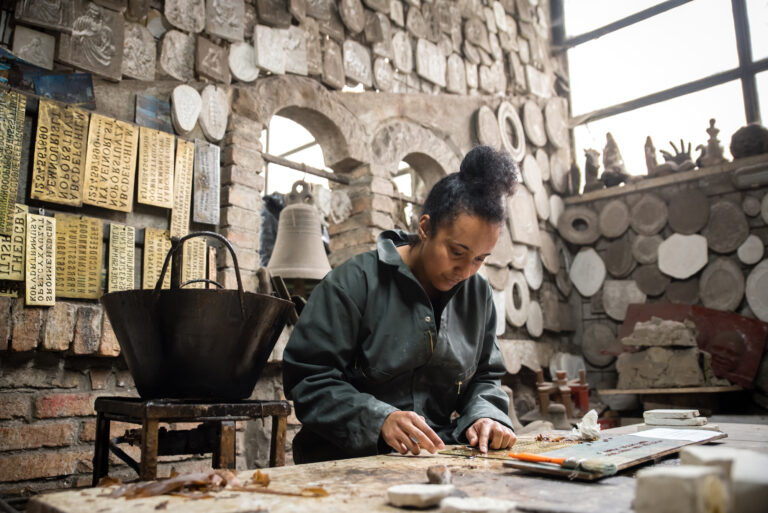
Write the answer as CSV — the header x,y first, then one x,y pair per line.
x,y
683,489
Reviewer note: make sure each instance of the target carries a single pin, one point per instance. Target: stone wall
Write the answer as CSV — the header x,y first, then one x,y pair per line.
x,y
426,69
691,238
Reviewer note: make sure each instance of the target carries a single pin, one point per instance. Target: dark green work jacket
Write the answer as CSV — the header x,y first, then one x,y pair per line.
x,y
367,345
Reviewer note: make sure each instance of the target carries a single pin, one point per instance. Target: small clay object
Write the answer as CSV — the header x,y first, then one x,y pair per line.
x,y
681,159
418,495
591,168
749,140
650,157
712,153
614,172
439,474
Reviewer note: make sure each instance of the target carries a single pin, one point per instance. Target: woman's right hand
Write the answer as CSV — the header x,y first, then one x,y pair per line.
x,y
408,431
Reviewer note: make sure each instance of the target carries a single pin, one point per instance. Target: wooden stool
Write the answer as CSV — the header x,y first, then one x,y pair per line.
x,y
216,435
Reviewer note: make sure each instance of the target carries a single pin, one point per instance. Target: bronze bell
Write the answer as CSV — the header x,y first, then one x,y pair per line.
x,y
299,251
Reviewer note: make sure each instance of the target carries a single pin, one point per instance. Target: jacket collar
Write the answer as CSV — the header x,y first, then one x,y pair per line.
x,y
386,246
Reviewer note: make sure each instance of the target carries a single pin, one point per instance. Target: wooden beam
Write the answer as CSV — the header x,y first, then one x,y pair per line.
x,y
646,183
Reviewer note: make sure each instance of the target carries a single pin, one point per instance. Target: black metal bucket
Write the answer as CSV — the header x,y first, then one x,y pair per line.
x,y
195,343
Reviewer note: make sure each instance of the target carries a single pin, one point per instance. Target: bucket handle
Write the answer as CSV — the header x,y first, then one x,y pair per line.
x,y
175,248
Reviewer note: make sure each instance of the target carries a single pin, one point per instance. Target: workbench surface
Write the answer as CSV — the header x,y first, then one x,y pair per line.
x,y
360,484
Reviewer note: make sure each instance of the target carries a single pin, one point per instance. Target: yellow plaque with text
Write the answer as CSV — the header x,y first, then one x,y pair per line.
x,y
211,267
40,276
182,187
157,243
122,247
12,108
156,167
12,248
110,167
78,256
59,160
193,262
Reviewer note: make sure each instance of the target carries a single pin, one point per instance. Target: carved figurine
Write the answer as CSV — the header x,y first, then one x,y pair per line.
x,y
650,157
591,167
712,153
680,161
614,173
749,140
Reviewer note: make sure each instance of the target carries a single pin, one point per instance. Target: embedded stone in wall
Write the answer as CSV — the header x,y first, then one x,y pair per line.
x,y
187,15
138,52
476,33
211,61
499,16
269,44
357,63
44,13
496,51
320,9
156,23
682,256
225,19
378,5
34,46
374,32
214,112
396,13
314,44
177,55
333,65
384,47
402,56
274,13
383,76
523,224
353,15
490,20
298,8
96,42
471,73
456,80
416,25
487,127
186,103
539,82
430,62
296,52
242,62
470,52
333,27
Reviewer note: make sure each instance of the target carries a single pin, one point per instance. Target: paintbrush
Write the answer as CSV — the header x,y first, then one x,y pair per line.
x,y
596,466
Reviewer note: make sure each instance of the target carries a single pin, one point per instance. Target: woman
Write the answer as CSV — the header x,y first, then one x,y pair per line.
x,y
395,342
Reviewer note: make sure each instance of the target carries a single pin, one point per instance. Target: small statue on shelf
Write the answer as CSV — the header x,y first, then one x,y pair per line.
x,y
680,161
591,167
614,173
712,153
650,157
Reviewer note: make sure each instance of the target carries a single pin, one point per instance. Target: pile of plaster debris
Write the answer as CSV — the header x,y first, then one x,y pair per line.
x,y
200,485
668,357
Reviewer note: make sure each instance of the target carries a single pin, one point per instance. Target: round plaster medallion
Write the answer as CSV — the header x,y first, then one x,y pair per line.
x,y
579,225
751,250
587,272
645,248
721,285
688,211
614,219
649,215
543,160
596,341
727,227
487,127
533,121
517,299
682,256
534,274
618,295
511,129
532,174
757,290
556,209
535,321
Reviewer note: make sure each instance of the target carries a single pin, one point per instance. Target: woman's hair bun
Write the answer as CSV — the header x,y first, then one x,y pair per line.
x,y
490,169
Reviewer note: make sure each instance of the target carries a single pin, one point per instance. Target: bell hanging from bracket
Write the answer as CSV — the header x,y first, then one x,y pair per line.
x,y
299,251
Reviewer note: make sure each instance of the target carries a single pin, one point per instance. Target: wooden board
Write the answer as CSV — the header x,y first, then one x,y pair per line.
x,y
60,150
193,262
685,390
182,188
206,183
155,168
12,109
12,250
110,166
157,243
624,451
122,240
40,275
78,256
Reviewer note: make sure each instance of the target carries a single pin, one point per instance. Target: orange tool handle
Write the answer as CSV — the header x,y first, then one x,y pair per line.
x,y
535,458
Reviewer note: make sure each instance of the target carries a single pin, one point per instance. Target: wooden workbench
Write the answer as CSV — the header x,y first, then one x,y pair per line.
x,y
360,484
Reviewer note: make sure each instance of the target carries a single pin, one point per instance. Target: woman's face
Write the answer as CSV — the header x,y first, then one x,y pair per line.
x,y
457,250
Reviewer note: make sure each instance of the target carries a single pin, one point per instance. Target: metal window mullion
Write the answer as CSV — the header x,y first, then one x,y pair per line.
x,y
744,48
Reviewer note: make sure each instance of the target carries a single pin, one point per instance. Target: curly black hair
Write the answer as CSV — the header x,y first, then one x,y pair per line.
x,y
485,179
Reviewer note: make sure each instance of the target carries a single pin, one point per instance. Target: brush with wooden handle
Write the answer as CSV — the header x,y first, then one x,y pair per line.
x,y
594,466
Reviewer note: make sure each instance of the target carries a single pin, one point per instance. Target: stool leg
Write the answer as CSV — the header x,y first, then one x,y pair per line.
x,y
277,445
224,455
101,451
149,442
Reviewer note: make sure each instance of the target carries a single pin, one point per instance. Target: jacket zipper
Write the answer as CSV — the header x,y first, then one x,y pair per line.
x,y
458,391
431,342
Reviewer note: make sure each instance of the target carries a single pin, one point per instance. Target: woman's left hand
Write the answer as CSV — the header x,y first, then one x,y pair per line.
x,y
488,430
